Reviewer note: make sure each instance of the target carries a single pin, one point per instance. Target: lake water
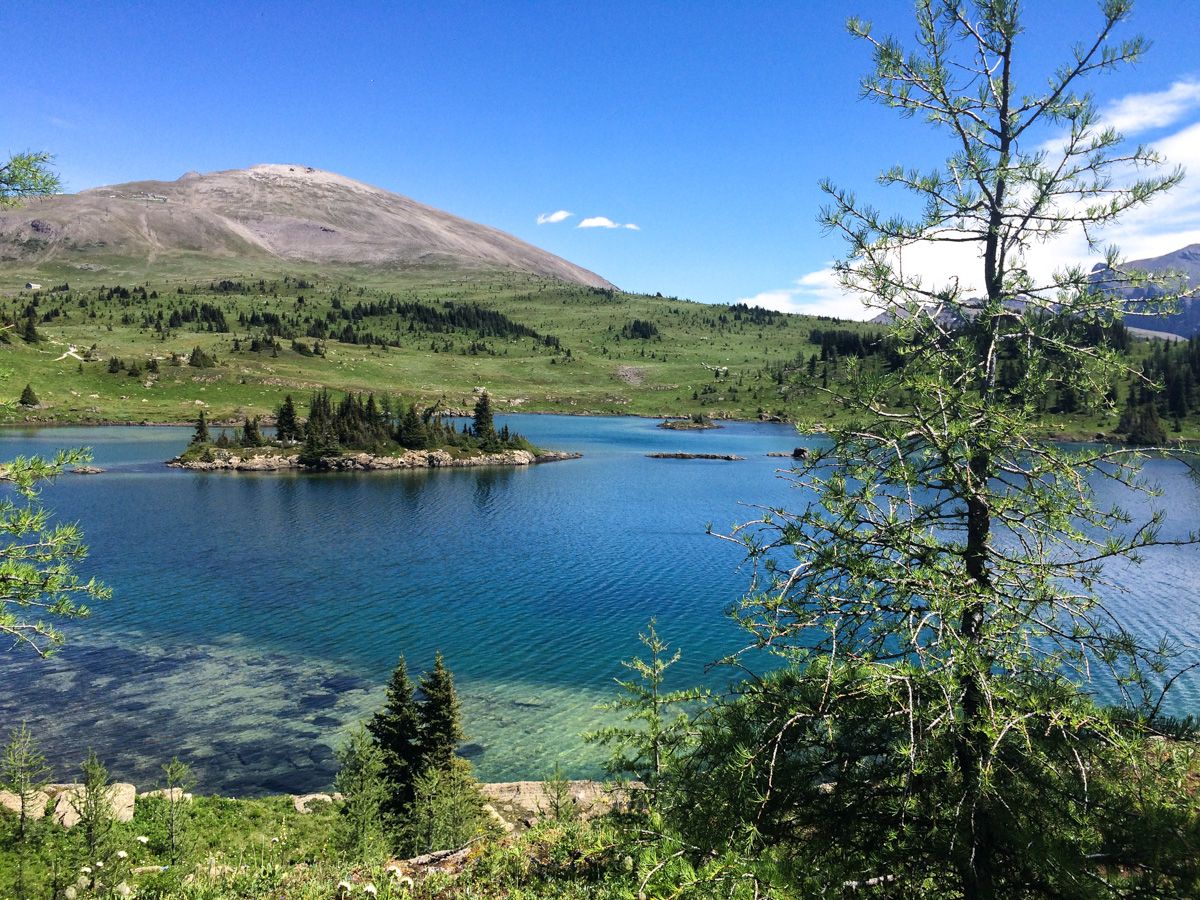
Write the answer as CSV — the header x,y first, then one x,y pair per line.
x,y
255,617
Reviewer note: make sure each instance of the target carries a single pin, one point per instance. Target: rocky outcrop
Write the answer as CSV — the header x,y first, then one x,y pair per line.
x,y
728,457
171,795
68,798
525,802
35,803
303,803
366,462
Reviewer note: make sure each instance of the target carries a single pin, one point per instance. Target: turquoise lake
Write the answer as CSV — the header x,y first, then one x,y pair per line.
x,y
256,617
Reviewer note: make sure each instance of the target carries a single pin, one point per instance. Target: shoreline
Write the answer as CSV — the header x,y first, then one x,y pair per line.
x,y
232,461
1054,436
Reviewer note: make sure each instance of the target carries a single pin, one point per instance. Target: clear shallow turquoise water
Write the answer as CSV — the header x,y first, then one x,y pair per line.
x,y
256,617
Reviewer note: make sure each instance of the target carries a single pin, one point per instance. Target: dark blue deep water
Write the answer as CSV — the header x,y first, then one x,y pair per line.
x,y
256,617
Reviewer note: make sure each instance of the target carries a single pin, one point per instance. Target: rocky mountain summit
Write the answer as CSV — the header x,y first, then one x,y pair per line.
x,y
266,213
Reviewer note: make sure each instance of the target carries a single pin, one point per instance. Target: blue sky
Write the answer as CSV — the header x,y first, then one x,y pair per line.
x,y
706,125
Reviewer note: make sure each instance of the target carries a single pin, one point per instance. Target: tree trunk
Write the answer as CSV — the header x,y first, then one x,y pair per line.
x,y
977,869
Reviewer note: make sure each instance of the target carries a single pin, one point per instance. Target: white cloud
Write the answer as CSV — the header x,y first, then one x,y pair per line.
x,y
554,217
1169,222
606,222
1140,112
815,294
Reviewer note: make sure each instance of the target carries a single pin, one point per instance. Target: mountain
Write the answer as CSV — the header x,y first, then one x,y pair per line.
x,y
1184,262
264,213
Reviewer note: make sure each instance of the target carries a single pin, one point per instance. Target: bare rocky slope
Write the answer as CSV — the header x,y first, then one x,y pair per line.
x,y
1184,263
267,212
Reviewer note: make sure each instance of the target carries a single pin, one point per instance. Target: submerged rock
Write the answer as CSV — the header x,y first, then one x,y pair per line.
x,y
728,457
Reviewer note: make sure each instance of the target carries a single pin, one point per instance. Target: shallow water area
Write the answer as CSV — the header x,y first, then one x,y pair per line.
x,y
255,617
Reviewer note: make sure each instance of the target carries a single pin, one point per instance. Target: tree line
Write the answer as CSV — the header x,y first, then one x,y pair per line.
x,y
364,423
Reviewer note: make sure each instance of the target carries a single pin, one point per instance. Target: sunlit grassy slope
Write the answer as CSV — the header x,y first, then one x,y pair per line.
x,y
593,365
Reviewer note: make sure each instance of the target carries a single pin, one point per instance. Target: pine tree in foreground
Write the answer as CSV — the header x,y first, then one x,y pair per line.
x,y
440,717
396,732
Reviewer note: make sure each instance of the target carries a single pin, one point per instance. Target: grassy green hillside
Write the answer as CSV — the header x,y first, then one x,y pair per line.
x,y
114,345
555,347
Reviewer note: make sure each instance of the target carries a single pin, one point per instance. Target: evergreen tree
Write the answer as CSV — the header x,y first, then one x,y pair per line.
x,y
484,427
440,718
28,398
30,332
362,780
413,432
447,809
396,730
251,436
200,435
287,426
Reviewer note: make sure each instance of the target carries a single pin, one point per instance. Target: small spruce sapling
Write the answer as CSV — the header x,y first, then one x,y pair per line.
x,y
362,781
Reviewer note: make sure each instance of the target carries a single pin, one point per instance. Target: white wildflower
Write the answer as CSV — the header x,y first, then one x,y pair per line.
x,y
121,854
142,839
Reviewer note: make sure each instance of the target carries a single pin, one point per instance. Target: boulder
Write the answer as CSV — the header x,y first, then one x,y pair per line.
x,y
301,801
174,795
35,806
502,823
121,798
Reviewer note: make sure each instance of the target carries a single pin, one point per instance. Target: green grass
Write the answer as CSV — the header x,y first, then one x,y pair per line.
x,y
602,373
262,847
594,370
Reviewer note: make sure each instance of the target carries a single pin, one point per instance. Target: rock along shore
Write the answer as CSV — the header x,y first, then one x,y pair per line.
x,y
232,461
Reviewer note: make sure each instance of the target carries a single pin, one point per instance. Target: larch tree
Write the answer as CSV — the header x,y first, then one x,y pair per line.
x,y
39,587
937,596
26,175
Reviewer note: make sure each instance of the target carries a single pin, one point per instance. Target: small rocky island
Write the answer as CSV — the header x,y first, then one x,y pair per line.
x,y
694,422
361,434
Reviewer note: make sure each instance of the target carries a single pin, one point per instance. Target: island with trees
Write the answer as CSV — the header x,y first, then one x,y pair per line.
x,y
361,433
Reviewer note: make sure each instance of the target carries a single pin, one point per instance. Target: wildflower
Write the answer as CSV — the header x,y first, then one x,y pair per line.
x,y
86,870
274,840
369,890
142,839
121,854
99,864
